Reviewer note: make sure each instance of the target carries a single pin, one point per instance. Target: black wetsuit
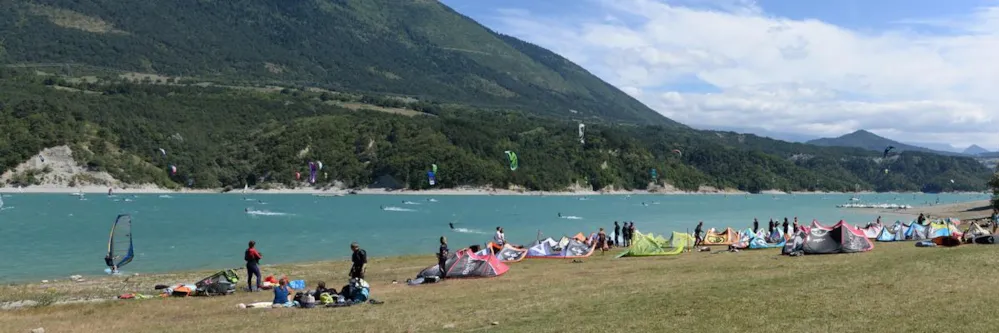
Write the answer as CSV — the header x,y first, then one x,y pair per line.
x,y
358,259
697,235
442,258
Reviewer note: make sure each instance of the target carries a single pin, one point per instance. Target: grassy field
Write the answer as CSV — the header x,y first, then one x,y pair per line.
x,y
895,288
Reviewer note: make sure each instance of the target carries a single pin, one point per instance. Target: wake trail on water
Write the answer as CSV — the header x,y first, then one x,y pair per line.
x,y
265,213
397,209
469,231
410,203
571,217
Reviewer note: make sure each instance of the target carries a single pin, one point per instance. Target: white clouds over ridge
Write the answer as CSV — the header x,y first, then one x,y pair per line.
x,y
800,76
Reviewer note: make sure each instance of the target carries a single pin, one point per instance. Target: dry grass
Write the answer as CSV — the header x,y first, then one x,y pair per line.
x,y
895,288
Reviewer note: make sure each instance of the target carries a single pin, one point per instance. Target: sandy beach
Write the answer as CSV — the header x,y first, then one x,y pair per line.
x,y
971,210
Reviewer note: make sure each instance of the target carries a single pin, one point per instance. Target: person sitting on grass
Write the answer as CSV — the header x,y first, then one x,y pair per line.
x,y
321,288
281,294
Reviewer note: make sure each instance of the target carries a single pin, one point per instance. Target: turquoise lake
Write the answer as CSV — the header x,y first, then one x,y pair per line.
x,y
47,236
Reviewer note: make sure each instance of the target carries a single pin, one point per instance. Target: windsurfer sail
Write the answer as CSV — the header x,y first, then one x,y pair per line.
x,y
120,251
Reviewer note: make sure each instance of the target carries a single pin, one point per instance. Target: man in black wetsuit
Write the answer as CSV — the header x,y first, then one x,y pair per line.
x,y
442,256
111,263
697,234
755,227
359,262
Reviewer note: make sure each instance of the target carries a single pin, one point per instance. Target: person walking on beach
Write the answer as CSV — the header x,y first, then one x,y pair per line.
x,y
442,255
359,262
252,257
618,233
755,226
697,233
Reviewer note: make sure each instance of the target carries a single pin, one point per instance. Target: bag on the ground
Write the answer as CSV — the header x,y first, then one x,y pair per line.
x,y
357,290
221,283
326,298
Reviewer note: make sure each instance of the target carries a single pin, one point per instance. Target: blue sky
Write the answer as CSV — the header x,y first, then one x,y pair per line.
x,y
913,71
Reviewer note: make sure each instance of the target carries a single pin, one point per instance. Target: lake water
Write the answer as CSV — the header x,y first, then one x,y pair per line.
x,y
46,236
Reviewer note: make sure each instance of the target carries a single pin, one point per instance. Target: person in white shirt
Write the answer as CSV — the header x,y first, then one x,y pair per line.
x,y
499,239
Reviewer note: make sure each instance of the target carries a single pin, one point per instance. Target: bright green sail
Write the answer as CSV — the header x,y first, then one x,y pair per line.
x,y
513,159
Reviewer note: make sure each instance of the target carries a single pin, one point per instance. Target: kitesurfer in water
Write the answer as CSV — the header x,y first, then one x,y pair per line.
x,y
111,263
451,225
559,214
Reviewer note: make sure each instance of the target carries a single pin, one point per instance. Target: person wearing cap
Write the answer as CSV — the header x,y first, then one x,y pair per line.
x,y
359,262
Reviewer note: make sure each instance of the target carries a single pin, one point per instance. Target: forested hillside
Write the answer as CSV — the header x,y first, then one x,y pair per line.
x,y
414,48
221,137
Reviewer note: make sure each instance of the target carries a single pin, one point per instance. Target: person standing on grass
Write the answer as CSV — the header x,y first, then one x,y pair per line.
x,y
784,226
795,225
770,227
755,226
697,233
627,232
252,258
631,232
443,255
602,240
359,262
618,232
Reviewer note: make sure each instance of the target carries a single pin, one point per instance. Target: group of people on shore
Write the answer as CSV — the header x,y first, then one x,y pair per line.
x,y
625,232
252,257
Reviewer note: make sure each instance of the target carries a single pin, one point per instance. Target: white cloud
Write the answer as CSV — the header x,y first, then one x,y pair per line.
x,y
797,76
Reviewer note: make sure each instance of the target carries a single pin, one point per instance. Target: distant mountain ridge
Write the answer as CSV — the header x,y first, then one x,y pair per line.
x,y
975,150
870,141
409,48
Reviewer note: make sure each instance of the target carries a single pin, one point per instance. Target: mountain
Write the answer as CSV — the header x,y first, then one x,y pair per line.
x,y
870,141
409,48
975,150
251,92
944,147
783,136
